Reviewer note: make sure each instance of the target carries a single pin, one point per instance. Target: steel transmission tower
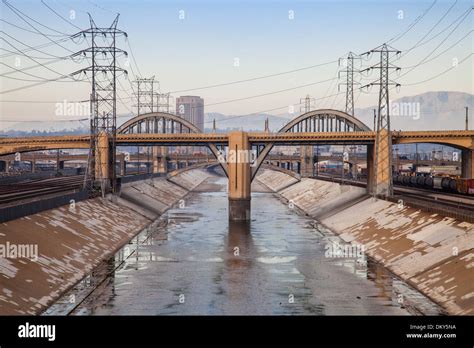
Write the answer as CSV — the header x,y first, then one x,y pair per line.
x,y
349,64
103,100
383,142
145,94
307,161
308,103
163,102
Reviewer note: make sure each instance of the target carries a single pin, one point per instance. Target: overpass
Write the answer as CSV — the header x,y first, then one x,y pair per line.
x,y
250,149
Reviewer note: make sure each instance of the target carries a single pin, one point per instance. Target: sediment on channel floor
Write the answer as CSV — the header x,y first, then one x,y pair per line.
x,y
71,241
431,252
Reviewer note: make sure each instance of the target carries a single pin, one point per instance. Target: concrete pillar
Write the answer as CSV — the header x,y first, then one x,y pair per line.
x,y
238,162
160,164
383,177
3,166
370,168
102,156
33,166
123,167
467,164
307,160
354,170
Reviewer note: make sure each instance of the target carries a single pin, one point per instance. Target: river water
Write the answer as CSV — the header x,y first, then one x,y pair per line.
x,y
194,261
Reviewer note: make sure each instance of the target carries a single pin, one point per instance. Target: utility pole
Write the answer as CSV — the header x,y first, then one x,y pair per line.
x,y
383,142
375,120
103,100
349,64
467,117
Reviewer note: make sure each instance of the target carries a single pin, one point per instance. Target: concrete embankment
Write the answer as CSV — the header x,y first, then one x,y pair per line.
x,y
431,252
62,245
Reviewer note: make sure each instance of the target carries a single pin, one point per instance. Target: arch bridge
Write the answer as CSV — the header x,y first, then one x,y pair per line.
x,y
316,127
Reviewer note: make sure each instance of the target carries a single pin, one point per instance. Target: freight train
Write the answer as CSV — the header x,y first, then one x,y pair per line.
x,y
441,183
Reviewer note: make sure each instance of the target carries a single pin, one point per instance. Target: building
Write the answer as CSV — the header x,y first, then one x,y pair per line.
x,y
191,108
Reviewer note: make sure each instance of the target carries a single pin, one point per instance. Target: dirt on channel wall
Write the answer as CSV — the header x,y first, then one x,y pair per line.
x,y
431,252
66,243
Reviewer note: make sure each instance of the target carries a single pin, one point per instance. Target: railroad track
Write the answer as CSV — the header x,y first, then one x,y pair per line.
x,y
40,187
419,195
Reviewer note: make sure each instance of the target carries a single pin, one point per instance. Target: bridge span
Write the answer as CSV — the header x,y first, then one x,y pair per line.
x,y
316,127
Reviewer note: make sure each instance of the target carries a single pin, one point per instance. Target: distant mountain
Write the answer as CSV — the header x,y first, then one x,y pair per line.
x,y
253,122
427,111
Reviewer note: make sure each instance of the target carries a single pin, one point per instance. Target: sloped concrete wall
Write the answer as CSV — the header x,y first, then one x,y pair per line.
x,y
433,253
73,239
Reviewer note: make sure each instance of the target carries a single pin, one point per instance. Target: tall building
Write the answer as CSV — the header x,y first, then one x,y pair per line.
x,y
191,108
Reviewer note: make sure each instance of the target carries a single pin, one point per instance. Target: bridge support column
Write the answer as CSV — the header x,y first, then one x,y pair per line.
x,y
238,163
33,166
467,165
160,165
307,161
383,176
370,168
123,167
102,159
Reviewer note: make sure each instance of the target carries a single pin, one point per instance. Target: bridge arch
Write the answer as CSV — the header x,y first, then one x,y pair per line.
x,y
164,123
325,120
322,120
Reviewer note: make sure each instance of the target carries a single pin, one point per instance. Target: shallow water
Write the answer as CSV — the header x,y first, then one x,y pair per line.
x,y
194,261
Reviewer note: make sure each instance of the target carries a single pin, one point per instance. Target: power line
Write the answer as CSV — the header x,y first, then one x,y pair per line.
x,y
255,78
419,18
270,93
442,52
429,54
432,28
30,31
24,44
441,73
15,10
57,14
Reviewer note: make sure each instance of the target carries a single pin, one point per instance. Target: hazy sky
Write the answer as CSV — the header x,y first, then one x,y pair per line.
x,y
190,44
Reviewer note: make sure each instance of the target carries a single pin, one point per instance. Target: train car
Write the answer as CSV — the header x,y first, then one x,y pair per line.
x,y
437,183
470,187
429,182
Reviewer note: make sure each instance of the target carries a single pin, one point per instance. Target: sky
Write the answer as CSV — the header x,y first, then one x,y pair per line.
x,y
187,45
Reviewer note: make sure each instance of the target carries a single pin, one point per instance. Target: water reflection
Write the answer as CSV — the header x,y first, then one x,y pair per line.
x,y
194,261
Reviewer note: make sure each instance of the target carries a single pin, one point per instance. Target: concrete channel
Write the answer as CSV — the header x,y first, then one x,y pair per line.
x,y
428,255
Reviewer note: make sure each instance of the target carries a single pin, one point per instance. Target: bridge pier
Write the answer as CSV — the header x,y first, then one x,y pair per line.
x,y
3,166
383,176
102,159
160,165
238,163
307,161
467,164
370,168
